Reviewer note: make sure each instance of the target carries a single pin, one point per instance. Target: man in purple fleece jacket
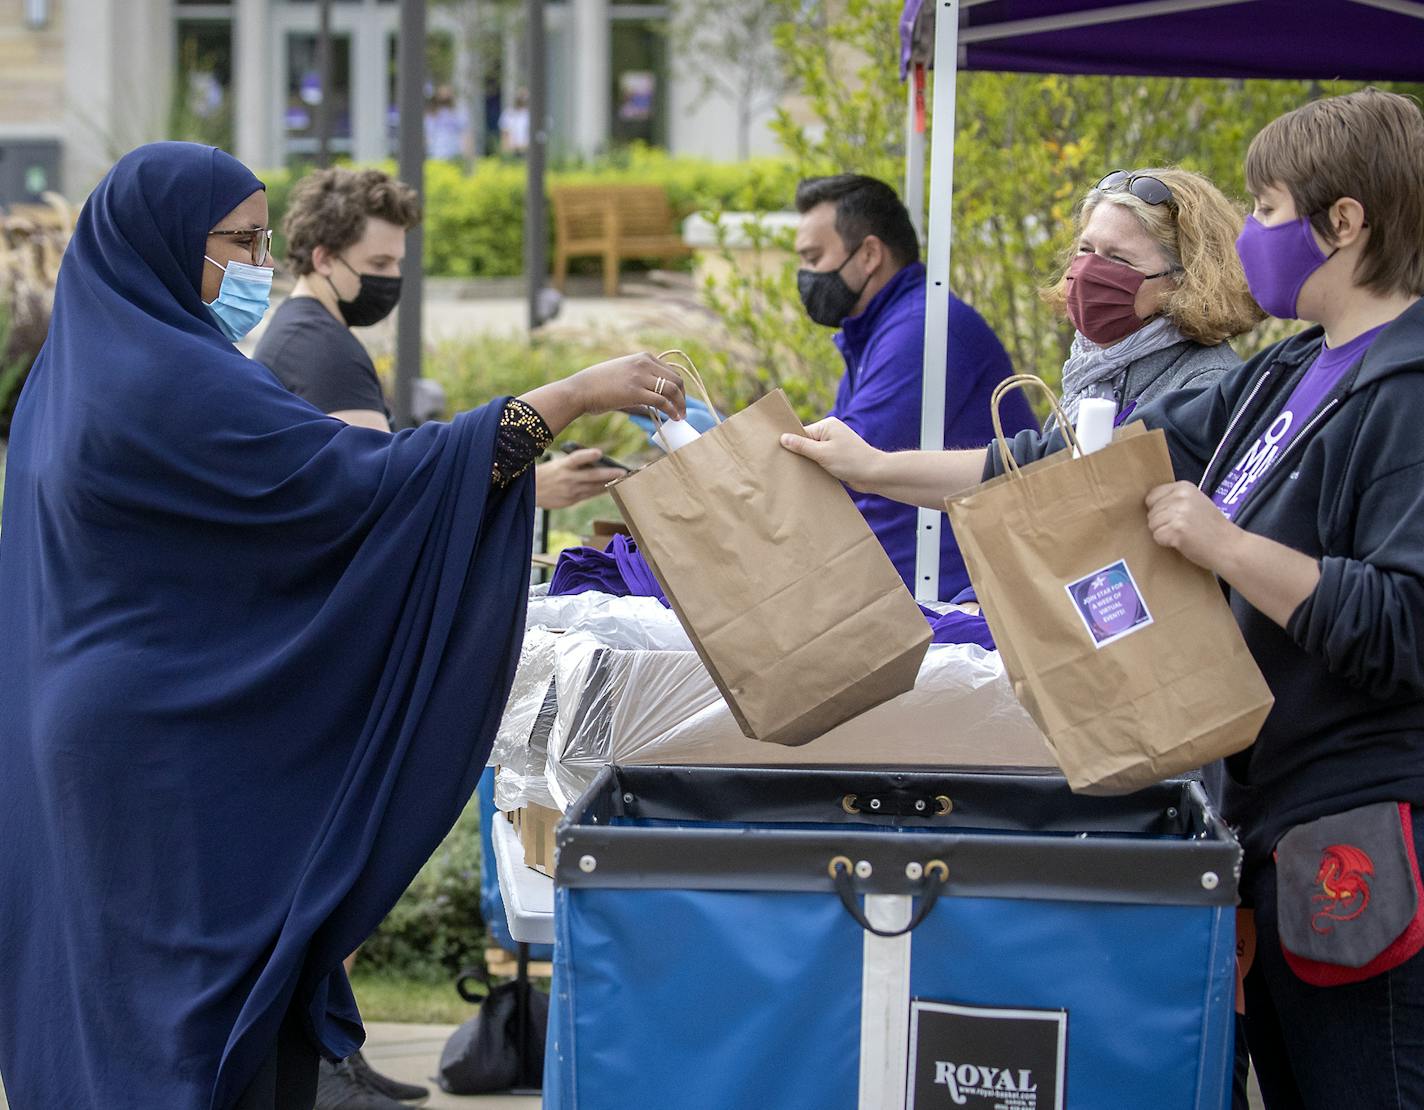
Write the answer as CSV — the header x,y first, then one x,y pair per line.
x,y
861,273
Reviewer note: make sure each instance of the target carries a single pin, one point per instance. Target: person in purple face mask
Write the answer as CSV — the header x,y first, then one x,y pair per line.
x,y
1153,288
1301,486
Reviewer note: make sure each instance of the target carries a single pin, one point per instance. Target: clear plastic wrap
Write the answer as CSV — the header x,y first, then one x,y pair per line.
x,y
605,679
632,706
613,702
622,622
520,744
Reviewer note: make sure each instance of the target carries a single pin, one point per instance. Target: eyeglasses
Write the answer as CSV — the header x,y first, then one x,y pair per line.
x,y
1146,189
261,241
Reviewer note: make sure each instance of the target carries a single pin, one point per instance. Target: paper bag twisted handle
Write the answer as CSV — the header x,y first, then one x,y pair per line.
x,y
688,367
1022,381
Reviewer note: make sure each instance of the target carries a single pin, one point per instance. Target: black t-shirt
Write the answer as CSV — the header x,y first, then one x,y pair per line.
x,y
315,356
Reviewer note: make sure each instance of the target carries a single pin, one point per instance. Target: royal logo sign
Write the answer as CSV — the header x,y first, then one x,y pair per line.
x,y
985,1058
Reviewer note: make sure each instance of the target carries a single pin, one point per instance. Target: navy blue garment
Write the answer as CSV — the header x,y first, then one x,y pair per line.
x,y
252,664
879,397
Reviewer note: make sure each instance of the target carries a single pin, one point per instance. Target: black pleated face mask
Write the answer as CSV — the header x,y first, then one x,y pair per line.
x,y
827,298
373,302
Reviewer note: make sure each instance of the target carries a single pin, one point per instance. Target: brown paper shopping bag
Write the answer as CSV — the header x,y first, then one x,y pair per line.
x,y
1125,654
788,597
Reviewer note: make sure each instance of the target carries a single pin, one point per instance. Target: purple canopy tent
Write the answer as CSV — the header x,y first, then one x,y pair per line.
x,y
1379,40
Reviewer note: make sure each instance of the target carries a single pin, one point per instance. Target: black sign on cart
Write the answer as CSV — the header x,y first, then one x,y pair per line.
x,y
986,1058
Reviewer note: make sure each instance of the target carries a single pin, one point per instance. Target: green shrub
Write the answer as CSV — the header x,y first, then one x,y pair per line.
x,y
474,222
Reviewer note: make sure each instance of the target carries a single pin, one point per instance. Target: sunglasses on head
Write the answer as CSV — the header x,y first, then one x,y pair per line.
x,y
1147,189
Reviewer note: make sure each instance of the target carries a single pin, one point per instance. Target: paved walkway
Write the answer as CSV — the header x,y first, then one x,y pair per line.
x,y
412,1053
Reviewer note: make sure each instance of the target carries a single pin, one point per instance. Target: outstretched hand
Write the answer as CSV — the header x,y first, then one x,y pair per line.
x,y
632,383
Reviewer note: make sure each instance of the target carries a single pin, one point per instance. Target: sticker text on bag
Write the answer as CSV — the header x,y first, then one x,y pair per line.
x,y
986,1058
1110,603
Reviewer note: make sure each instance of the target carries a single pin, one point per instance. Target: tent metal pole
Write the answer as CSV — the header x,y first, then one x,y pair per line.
x,y
941,214
410,91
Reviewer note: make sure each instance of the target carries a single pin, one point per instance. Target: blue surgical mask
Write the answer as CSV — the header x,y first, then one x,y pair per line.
x,y
242,298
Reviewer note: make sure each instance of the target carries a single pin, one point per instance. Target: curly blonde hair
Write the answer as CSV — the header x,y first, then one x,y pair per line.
x,y
1210,302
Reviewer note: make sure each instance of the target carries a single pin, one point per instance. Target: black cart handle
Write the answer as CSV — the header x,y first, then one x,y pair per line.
x,y
936,876
898,804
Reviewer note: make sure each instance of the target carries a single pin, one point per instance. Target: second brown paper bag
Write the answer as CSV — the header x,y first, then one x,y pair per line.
x,y
788,597
1125,654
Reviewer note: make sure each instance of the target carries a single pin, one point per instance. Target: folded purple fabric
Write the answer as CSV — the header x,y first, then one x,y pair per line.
x,y
621,571
955,627
633,565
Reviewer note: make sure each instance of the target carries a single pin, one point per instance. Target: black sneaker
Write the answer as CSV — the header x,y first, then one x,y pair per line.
x,y
412,1094
339,1088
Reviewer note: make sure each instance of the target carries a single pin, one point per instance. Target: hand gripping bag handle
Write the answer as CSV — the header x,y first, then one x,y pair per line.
x,y
688,367
1024,381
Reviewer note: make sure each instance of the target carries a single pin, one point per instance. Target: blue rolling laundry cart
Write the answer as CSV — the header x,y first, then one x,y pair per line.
x,y
781,938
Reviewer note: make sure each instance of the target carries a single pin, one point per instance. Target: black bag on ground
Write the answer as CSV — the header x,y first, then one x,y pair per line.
x,y
482,1056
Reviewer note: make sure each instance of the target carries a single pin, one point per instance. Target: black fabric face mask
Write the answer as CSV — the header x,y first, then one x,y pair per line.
x,y
827,298
373,302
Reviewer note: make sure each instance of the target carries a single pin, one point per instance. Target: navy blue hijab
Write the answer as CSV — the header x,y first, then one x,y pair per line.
x,y
251,664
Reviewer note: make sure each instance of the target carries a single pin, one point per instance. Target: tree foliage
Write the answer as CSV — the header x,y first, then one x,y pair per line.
x,y
728,45
1027,146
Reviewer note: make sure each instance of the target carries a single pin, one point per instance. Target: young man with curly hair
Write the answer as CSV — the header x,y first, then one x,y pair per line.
x,y
345,232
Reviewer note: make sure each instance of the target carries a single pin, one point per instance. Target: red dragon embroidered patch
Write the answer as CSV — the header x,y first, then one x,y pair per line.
x,y
1343,879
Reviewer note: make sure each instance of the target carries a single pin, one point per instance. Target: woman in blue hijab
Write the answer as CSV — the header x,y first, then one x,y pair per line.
x,y
252,661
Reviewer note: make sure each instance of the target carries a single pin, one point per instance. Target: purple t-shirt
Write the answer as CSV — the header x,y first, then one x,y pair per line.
x,y
1325,373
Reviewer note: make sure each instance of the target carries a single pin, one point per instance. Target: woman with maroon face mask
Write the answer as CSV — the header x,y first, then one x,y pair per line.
x,y
1153,287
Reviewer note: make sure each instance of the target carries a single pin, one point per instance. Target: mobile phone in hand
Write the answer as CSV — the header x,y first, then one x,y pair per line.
x,y
603,460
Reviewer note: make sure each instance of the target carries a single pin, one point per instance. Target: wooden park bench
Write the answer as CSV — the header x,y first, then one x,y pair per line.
x,y
613,222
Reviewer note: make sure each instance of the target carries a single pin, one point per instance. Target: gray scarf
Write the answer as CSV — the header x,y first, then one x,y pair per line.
x,y
1090,370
